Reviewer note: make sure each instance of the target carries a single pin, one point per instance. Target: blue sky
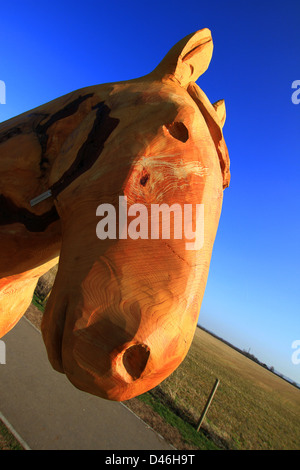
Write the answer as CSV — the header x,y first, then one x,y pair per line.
x,y
48,49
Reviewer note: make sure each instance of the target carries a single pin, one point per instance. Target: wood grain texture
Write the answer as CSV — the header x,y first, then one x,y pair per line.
x,y
122,312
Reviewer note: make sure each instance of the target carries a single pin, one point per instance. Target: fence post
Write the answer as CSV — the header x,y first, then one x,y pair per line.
x,y
209,400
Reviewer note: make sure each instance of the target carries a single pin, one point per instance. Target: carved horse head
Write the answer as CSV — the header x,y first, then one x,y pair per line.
x,y
123,309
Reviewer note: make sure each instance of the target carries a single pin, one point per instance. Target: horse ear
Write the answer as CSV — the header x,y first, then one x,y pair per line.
x,y
221,111
188,59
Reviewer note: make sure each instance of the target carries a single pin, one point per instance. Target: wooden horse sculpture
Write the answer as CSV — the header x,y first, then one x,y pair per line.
x,y
123,310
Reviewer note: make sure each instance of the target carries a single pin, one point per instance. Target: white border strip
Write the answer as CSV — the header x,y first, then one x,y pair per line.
x,y
14,432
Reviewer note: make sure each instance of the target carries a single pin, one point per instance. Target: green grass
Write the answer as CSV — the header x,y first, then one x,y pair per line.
x,y
7,440
37,302
187,431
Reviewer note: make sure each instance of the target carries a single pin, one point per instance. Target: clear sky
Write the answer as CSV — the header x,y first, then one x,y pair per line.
x,y
48,49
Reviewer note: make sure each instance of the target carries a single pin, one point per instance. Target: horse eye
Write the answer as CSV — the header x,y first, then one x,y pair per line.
x,y
178,130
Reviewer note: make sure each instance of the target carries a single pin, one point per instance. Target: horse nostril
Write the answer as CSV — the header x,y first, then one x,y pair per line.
x,y
135,359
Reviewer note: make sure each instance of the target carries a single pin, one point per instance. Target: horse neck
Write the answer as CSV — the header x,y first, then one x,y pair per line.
x,y
30,237
30,240
30,151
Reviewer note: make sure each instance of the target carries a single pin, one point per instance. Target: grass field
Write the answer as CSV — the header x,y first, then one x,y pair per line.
x,y
252,408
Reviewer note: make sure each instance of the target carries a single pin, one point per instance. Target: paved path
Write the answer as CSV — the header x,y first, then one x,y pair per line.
x,y
49,413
